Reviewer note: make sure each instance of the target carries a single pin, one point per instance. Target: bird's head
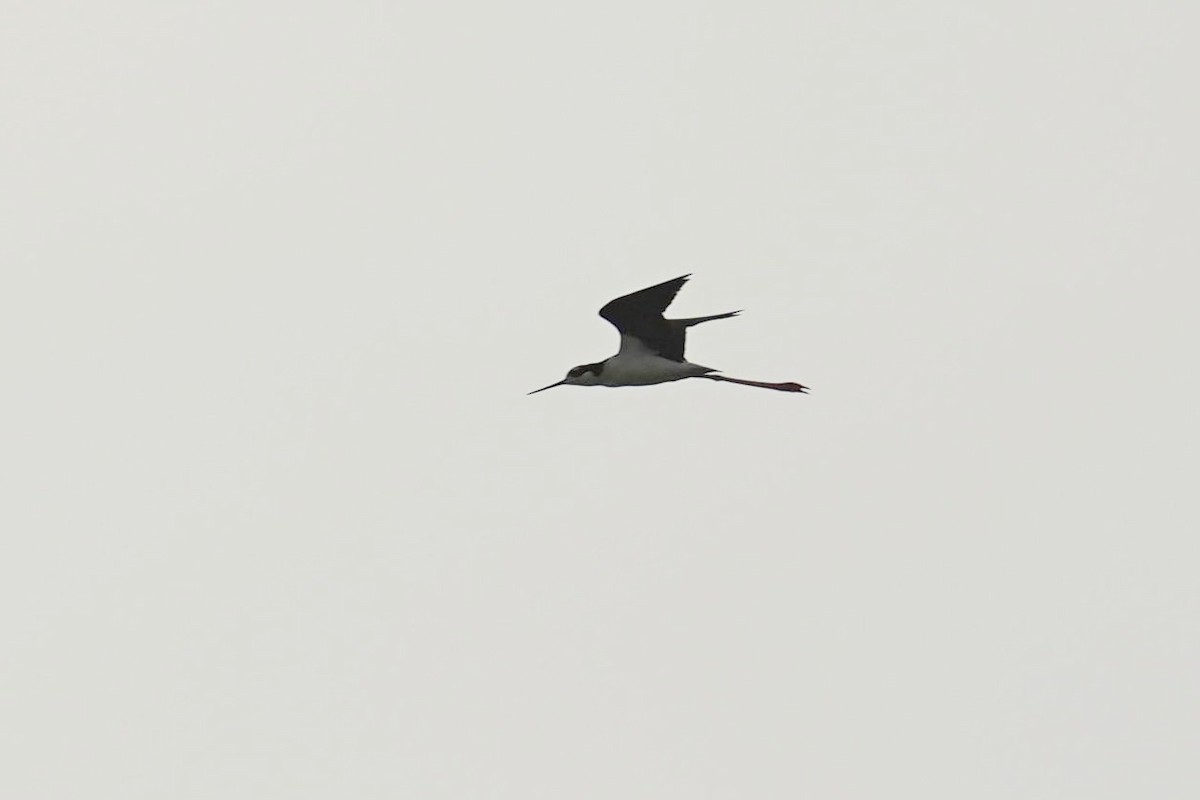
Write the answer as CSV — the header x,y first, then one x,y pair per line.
x,y
583,375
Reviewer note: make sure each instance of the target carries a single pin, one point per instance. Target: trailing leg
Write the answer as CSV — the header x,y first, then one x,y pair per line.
x,y
779,387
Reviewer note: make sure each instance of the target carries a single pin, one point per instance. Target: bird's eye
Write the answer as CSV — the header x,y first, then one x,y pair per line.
x,y
575,373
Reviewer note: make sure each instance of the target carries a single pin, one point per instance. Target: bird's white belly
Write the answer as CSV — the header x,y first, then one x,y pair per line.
x,y
646,370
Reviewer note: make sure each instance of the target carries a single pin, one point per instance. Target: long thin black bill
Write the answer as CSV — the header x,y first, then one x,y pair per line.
x,y
544,388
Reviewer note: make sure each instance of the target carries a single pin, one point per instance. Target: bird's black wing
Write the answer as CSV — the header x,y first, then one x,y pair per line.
x,y
639,318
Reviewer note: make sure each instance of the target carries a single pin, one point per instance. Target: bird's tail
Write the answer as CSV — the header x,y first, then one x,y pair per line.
x,y
687,323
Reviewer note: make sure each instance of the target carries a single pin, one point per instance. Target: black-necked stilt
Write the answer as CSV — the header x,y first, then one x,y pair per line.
x,y
651,347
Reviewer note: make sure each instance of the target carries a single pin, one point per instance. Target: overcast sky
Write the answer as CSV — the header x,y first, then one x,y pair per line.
x,y
281,522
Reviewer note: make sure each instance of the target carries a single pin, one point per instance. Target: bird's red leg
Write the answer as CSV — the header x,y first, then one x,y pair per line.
x,y
779,387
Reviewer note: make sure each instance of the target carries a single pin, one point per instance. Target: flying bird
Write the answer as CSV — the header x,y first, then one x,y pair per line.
x,y
651,346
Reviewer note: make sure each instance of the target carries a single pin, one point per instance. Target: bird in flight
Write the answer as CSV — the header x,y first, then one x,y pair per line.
x,y
651,346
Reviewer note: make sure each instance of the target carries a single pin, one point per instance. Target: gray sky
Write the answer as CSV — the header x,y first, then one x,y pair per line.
x,y
280,521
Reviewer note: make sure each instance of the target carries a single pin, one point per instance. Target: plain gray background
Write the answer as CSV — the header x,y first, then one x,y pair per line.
x,y
280,522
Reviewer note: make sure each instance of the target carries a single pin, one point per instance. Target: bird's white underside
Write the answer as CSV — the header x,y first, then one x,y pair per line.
x,y
645,368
